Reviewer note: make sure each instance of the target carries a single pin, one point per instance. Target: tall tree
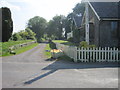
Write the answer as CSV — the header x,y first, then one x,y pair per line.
x,y
79,8
55,26
7,24
38,25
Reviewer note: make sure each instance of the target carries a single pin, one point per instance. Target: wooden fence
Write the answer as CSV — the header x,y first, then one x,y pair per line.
x,y
91,54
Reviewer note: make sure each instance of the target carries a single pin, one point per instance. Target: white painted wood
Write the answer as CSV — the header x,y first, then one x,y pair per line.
x,y
92,54
87,22
105,54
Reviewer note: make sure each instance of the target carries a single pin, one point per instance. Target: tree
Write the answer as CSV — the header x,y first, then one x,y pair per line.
x,y
16,37
27,34
7,24
38,25
30,34
55,27
79,8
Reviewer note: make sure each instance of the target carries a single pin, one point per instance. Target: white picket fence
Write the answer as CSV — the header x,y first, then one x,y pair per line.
x,y
90,54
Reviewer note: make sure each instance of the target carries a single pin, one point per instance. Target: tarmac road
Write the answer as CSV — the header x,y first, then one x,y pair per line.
x,y
32,69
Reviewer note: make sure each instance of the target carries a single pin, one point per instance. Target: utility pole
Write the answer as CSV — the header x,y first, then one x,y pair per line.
x,y
87,22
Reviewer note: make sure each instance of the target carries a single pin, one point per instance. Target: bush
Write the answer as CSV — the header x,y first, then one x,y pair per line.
x,y
16,37
71,39
52,45
84,44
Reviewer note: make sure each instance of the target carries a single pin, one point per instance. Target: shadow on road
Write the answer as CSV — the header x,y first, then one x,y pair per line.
x,y
65,64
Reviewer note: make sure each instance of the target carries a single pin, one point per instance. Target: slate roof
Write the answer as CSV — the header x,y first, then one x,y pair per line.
x,y
106,9
78,21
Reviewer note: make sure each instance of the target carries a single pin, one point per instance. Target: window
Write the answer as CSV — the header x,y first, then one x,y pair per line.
x,y
114,29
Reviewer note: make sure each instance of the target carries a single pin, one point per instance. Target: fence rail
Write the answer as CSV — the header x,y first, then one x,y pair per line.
x,y
91,54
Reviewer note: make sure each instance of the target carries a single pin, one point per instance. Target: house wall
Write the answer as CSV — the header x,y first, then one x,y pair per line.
x,y
100,32
94,28
106,38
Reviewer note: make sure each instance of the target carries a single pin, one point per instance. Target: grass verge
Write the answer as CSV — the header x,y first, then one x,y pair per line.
x,y
26,48
4,47
64,42
47,49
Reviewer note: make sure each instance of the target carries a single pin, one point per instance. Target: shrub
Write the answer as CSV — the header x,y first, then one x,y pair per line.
x,y
16,37
52,45
71,39
84,44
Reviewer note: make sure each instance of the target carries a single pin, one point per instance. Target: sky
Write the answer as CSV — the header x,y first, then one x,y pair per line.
x,y
23,10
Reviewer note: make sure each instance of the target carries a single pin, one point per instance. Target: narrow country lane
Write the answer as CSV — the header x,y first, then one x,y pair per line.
x,y
32,69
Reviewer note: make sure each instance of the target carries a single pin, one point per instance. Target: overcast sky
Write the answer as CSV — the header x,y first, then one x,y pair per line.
x,y
23,10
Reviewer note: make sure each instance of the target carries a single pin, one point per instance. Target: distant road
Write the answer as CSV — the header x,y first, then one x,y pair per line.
x,y
32,69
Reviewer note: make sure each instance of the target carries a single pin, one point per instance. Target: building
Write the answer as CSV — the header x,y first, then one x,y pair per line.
x,y
104,24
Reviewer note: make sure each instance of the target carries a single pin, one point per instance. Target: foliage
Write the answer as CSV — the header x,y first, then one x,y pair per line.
x,y
48,47
70,25
26,34
70,39
84,44
52,45
7,24
79,8
38,25
30,34
16,37
55,26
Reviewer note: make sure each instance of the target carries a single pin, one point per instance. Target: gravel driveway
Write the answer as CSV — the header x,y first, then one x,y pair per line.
x,y
32,69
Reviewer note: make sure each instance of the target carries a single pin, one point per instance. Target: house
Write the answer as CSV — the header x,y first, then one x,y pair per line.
x,y
75,28
104,23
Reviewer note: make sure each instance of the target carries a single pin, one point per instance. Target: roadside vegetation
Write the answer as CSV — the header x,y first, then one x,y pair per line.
x,y
51,45
4,46
65,42
47,51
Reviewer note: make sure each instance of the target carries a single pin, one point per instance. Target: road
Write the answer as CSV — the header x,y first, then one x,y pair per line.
x,y
32,69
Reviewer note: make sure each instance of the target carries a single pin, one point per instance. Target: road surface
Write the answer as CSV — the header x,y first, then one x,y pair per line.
x,y
32,69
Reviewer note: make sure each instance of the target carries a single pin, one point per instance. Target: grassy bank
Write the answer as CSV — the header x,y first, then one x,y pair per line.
x,y
47,49
4,46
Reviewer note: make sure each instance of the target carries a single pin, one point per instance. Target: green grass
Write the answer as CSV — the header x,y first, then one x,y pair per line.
x,y
4,46
26,48
64,42
48,54
59,41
